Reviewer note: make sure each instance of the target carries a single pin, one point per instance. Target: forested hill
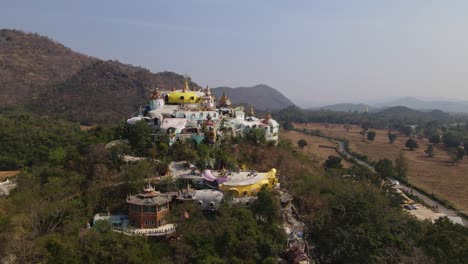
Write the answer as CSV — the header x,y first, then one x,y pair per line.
x,y
51,79
382,119
104,92
262,97
29,63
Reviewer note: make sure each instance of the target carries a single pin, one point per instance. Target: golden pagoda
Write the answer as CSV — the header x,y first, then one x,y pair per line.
x,y
252,113
224,101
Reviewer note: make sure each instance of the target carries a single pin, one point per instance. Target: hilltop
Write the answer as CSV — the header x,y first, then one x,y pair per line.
x,y
30,62
262,97
346,107
445,105
47,77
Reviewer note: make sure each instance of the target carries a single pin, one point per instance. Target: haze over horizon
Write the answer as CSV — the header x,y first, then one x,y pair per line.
x,y
329,51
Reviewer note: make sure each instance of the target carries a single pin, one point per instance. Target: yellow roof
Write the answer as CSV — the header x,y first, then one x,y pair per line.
x,y
177,97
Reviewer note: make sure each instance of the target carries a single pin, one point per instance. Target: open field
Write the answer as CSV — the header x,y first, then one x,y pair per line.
x,y
317,149
434,175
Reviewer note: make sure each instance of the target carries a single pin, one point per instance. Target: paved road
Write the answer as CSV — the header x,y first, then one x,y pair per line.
x,y
407,189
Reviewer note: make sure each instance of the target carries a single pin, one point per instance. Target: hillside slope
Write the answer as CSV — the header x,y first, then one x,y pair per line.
x,y
29,63
104,92
416,103
51,79
262,97
346,107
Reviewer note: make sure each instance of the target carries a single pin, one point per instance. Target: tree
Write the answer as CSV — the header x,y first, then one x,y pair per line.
x,y
333,162
288,126
435,139
407,130
365,125
456,154
391,137
302,143
371,135
139,137
411,144
384,167
451,139
430,150
256,136
401,166
465,146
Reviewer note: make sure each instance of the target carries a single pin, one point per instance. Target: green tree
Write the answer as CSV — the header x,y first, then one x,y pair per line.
x,y
333,162
256,135
434,139
139,137
365,125
446,242
371,135
288,126
407,130
456,154
430,150
411,144
302,143
266,207
384,167
452,139
391,137
401,166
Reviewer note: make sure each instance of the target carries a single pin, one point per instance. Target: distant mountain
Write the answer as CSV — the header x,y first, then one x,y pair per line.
x,y
346,108
49,78
415,103
403,112
262,97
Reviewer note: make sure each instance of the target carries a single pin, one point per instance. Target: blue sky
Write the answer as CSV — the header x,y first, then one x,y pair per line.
x,y
315,52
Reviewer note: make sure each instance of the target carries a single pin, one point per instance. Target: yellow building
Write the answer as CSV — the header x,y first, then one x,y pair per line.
x,y
249,183
184,96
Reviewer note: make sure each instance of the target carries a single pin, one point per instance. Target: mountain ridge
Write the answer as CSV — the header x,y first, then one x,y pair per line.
x,y
261,97
42,75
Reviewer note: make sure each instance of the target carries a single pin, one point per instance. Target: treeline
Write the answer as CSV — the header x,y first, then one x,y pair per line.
x,y
388,118
352,217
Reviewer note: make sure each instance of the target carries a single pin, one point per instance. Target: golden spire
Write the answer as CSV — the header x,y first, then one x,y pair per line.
x,y
207,91
268,116
252,113
186,87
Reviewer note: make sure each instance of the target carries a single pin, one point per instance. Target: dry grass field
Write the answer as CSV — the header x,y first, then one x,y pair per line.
x,y
434,175
317,149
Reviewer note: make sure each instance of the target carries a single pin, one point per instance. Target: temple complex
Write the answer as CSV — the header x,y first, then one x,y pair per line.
x,y
186,113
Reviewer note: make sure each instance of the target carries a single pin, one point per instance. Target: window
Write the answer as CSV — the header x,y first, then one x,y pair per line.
x,y
149,209
149,223
134,208
182,98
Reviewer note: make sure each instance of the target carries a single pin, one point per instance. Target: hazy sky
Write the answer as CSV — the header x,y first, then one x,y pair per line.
x,y
317,51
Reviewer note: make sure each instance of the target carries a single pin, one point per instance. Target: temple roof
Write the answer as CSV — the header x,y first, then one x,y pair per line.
x,y
224,101
149,197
